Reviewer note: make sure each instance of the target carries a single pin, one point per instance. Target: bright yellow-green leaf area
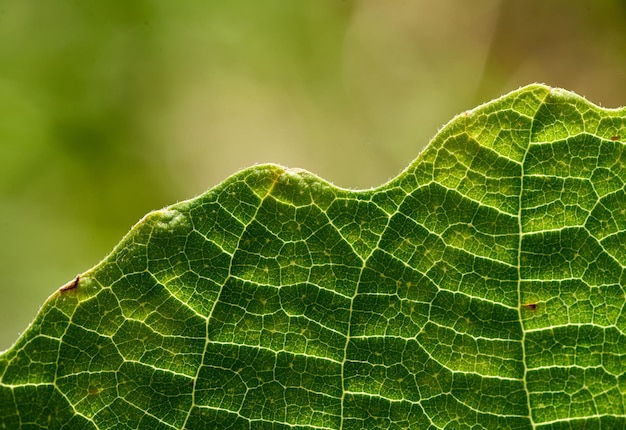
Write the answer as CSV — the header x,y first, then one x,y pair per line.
x,y
482,288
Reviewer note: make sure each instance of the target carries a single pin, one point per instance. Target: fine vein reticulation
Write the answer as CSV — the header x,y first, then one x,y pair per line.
x,y
483,287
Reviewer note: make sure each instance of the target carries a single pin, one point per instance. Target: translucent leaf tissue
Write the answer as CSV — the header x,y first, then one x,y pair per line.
x,y
483,288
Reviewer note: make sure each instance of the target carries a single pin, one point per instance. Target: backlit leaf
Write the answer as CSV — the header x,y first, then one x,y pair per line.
x,y
483,287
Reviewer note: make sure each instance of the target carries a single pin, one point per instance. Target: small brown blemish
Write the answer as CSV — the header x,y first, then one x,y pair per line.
x,y
70,285
94,391
531,306
614,138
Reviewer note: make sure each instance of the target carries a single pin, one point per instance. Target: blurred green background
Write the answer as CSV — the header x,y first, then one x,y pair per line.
x,y
111,109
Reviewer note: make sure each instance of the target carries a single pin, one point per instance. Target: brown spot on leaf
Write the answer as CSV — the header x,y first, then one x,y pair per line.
x,y
70,285
94,391
614,138
530,306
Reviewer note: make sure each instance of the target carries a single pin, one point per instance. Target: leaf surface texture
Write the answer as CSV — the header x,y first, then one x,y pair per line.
x,y
483,287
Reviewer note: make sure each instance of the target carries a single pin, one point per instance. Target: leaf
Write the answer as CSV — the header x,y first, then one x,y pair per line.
x,y
484,287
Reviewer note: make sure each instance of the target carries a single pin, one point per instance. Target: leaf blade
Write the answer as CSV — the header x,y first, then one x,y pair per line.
x,y
481,287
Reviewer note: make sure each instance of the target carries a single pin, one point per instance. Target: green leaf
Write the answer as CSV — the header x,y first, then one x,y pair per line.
x,y
483,287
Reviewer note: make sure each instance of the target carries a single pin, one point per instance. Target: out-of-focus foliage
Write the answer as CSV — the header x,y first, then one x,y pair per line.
x,y
111,109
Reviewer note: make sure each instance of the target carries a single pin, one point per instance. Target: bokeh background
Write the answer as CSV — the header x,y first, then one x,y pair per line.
x,y
111,109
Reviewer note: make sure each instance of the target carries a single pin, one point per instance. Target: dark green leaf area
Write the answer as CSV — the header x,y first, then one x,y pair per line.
x,y
482,288
43,407
259,384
